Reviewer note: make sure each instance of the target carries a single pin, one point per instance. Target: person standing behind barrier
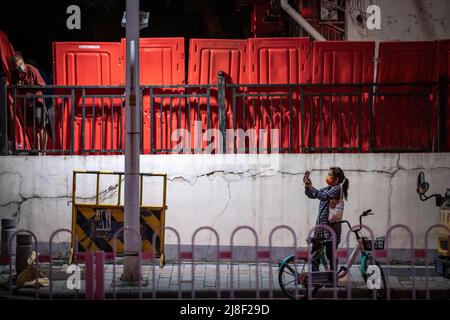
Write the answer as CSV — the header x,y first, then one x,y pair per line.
x,y
337,183
25,74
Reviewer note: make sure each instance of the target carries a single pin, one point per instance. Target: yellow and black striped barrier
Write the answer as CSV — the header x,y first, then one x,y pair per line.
x,y
95,224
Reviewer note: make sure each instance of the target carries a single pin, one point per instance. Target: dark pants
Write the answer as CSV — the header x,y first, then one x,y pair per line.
x,y
41,117
328,246
36,117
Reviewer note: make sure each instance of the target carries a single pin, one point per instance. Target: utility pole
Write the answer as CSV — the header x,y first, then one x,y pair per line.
x,y
131,270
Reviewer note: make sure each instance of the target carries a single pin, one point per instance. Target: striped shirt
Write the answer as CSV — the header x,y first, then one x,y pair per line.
x,y
325,195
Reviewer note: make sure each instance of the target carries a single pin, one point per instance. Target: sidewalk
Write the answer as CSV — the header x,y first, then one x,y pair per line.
x,y
168,284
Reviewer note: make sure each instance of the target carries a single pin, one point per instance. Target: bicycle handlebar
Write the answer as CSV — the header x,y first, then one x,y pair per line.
x,y
364,214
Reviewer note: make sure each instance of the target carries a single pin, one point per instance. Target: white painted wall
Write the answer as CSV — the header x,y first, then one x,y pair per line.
x,y
405,20
226,191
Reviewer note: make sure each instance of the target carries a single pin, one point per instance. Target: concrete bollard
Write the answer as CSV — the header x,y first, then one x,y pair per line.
x,y
8,229
23,251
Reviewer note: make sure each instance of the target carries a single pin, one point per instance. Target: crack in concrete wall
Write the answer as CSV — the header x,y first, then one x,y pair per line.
x,y
103,196
387,167
250,173
226,204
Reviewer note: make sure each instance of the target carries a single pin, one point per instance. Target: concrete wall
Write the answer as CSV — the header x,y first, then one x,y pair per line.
x,y
226,191
404,20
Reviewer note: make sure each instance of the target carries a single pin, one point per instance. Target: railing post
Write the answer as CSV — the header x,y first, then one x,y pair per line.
x,y
83,120
141,118
72,121
360,106
221,87
3,118
442,131
302,119
291,122
371,120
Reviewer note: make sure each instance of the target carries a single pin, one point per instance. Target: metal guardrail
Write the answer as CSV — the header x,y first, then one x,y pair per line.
x,y
169,117
413,258
341,117
95,288
50,276
228,118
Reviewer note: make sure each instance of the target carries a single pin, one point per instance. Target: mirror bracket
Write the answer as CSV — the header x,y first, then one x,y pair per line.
x,y
438,197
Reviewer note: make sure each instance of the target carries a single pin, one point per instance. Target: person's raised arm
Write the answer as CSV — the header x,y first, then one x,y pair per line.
x,y
308,185
324,194
309,193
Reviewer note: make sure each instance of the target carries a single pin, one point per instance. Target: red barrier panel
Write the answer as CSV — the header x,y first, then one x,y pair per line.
x,y
6,52
206,58
406,61
444,70
87,63
340,62
161,62
343,62
90,63
23,136
279,60
400,122
209,56
276,61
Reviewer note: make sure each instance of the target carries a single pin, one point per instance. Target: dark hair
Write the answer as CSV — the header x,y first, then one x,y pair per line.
x,y
339,174
15,56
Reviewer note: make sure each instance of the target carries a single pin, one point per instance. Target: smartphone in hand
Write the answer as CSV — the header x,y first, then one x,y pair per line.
x,y
306,177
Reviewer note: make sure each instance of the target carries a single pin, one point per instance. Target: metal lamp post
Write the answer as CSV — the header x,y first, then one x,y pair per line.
x,y
131,271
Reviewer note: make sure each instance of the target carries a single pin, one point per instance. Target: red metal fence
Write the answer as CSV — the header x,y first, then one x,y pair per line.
x,y
317,96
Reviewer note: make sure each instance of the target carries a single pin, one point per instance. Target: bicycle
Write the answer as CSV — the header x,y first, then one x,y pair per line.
x,y
294,281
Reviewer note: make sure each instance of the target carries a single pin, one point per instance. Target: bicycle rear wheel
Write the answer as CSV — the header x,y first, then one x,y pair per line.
x,y
293,279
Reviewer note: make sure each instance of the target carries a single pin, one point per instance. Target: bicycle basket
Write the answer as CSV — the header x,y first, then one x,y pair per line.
x,y
367,244
378,242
